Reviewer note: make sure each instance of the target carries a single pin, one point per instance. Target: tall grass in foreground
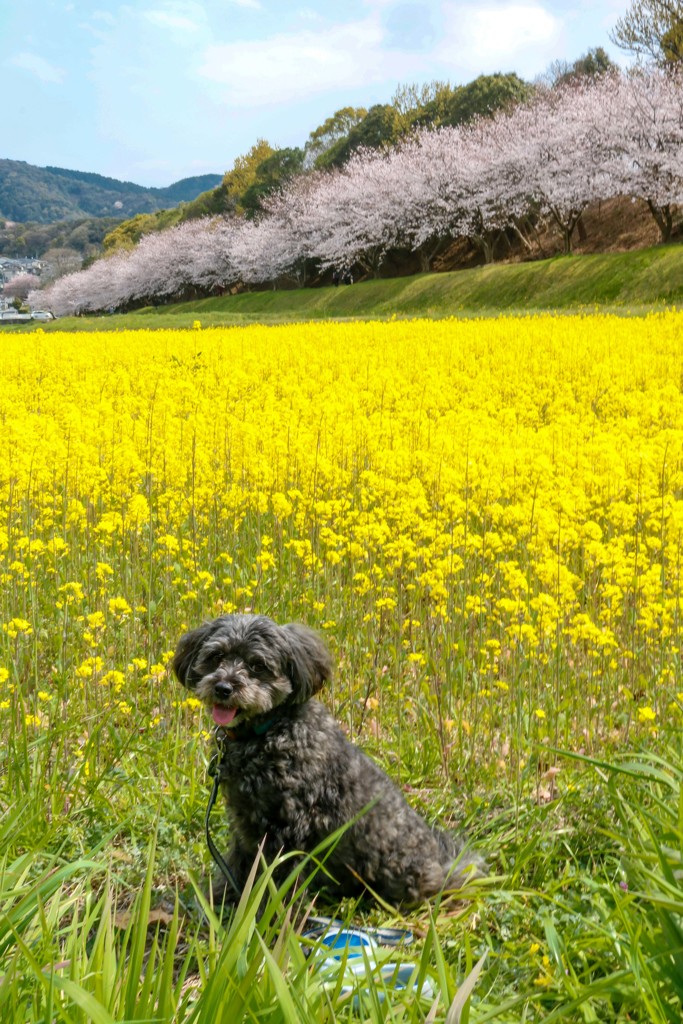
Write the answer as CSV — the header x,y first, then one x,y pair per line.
x,y
485,521
604,939
71,954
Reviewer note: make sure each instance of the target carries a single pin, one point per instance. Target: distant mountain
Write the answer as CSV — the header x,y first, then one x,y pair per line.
x,y
48,194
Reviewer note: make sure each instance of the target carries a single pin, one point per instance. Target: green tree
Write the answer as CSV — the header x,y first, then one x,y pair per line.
x,y
423,104
331,131
672,43
589,65
208,204
270,174
79,238
251,177
129,233
381,126
242,174
652,29
594,62
484,96
20,246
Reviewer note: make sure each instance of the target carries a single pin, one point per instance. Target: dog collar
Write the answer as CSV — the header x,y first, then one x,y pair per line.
x,y
244,731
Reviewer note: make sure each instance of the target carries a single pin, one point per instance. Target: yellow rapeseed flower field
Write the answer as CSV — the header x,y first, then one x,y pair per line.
x,y
484,517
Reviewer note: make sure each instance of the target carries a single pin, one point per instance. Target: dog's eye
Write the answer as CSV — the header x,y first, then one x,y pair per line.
x,y
257,664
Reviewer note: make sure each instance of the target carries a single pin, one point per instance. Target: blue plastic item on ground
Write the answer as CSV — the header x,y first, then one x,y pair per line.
x,y
358,952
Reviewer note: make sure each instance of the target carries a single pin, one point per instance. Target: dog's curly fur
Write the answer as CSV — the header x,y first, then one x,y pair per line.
x,y
289,775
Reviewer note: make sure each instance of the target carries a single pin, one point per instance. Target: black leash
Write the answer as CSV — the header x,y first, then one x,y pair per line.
x,y
214,772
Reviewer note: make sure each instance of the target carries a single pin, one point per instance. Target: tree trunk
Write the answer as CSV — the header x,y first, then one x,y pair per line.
x,y
372,261
485,243
567,226
663,218
426,253
518,231
425,261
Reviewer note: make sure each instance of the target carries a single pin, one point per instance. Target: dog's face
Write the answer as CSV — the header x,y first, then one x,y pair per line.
x,y
243,666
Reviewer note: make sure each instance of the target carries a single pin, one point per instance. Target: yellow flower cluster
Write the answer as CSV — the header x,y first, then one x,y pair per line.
x,y
485,517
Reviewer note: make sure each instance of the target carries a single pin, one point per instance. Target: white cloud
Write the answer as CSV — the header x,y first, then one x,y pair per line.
x,y
253,5
101,22
500,36
294,66
308,14
38,66
106,16
179,15
172,20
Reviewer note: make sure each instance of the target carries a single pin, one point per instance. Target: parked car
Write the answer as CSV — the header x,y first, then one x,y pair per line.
x,y
42,314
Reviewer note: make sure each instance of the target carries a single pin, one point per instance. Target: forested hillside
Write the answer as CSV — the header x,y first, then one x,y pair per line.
x,y
83,235
47,194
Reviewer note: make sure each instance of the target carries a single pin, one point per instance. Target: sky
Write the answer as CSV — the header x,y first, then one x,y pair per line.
x,y
152,91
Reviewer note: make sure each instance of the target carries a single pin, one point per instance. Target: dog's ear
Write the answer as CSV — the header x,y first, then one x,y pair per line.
x,y
186,653
310,662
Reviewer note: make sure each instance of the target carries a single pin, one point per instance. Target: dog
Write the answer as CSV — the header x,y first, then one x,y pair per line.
x,y
289,776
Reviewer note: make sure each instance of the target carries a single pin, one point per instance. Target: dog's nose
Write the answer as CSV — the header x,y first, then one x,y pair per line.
x,y
223,691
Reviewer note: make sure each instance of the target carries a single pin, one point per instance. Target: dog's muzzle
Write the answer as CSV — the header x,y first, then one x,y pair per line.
x,y
218,692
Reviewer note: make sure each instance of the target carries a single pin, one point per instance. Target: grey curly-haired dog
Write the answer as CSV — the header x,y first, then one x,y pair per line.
x,y
291,778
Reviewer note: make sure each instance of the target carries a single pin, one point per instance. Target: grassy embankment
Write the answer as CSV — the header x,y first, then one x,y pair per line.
x,y
630,282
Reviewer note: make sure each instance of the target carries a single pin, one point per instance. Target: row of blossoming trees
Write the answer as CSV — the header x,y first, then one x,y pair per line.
x,y
620,135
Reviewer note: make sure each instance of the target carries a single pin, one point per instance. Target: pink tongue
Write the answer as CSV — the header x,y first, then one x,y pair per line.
x,y
223,716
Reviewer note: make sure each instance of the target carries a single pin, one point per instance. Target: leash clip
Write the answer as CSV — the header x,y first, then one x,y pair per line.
x,y
221,741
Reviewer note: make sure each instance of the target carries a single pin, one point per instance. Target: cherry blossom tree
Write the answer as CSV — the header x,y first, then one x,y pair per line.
x,y
429,191
556,153
215,269
19,286
294,231
349,217
649,127
277,245
494,186
256,250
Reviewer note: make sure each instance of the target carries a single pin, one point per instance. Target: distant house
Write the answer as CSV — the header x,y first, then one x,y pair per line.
x,y
10,267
